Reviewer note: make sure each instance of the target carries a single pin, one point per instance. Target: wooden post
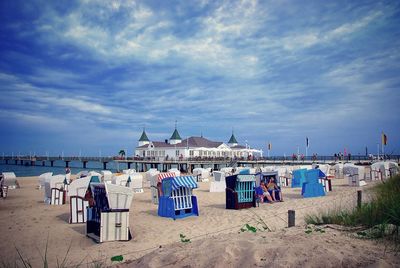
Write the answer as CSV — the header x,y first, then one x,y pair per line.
x,y
291,218
359,198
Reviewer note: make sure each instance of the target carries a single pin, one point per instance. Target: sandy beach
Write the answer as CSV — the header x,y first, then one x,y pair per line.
x,y
215,236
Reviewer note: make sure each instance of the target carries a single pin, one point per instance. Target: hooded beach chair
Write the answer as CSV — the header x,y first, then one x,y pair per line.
x,y
106,176
355,174
299,177
10,180
77,201
54,193
240,191
135,182
266,177
155,185
42,179
177,199
202,174
108,217
218,184
311,186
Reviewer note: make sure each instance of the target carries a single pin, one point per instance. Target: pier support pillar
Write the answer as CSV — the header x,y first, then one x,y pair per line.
x,y
84,164
129,165
16,162
105,165
22,162
52,163
43,163
66,164
6,161
33,163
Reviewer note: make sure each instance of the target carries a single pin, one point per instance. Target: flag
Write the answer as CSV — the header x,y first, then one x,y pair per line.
x,y
307,144
269,146
384,139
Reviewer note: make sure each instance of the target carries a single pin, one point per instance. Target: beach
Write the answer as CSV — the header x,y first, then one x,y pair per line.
x,y
215,236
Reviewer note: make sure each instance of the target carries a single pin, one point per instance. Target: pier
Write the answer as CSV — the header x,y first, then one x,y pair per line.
x,y
185,165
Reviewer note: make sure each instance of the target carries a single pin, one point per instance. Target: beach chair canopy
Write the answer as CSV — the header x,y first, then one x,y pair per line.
x,y
78,187
242,177
119,197
129,171
183,181
164,175
9,175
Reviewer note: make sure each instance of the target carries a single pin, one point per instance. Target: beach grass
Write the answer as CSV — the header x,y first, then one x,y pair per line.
x,y
377,218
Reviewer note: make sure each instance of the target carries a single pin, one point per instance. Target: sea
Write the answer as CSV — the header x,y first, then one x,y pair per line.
x,y
58,167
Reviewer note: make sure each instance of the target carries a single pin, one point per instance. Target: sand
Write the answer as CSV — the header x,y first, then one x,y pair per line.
x,y
216,240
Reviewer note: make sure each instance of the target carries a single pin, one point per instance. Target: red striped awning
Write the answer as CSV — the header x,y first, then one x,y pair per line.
x,y
164,175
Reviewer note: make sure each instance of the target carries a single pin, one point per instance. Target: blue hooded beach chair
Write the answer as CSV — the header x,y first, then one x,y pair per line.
x,y
177,200
312,187
299,177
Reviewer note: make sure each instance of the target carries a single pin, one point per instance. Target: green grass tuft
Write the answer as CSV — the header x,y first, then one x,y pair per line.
x,y
379,217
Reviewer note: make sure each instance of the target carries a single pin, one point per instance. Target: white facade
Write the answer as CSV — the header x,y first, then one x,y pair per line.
x,y
170,151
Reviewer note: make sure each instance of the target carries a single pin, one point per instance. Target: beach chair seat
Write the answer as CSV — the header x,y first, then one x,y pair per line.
x,y
311,187
240,191
177,199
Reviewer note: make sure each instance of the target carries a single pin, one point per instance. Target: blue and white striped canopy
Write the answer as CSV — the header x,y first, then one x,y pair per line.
x,y
185,181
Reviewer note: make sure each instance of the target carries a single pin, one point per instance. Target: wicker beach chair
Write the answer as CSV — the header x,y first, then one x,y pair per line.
x,y
177,199
240,191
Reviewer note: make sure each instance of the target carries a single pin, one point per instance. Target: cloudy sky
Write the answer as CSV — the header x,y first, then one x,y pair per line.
x,y
89,75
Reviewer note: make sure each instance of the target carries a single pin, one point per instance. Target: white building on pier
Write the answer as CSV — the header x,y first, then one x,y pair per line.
x,y
192,147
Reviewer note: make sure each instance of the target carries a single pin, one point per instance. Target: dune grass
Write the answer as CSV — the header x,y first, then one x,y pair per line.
x,y
380,217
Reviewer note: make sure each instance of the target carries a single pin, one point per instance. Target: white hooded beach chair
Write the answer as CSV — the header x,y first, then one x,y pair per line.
x,y
54,190
108,219
155,185
10,180
42,179
354,174
202,174
106,176
150,173
120,180
129,171
135,182
78,204
218,184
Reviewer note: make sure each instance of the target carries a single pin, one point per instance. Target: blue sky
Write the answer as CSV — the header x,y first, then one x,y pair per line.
x,y
88,75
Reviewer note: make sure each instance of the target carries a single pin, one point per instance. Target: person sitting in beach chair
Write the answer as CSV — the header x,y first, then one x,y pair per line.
x,y
262,193
274,190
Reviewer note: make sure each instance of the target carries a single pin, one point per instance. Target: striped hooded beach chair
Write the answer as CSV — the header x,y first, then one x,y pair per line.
x,y
177,199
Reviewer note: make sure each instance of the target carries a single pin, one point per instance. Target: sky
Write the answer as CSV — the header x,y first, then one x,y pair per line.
x,y
87,76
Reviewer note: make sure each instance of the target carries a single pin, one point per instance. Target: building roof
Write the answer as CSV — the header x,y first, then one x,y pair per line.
x,y
157,144
238,147
192,142
199,142
175,135
232,139
144,136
